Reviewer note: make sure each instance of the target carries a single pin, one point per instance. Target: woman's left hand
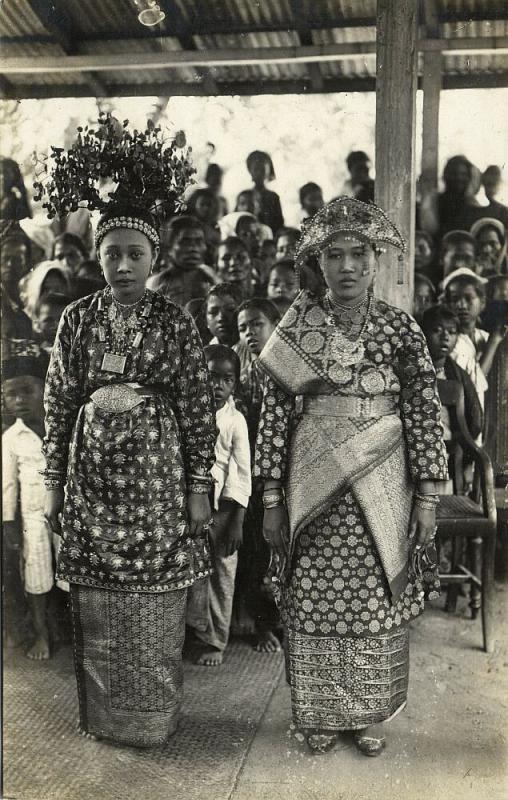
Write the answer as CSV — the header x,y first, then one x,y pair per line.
x,y
422,528
199,511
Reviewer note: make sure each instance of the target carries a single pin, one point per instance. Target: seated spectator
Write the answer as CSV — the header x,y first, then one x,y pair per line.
x,y
267,257
14,205
220,312
204,205
14,262
425,263
282,304
266,204
283,281
234,265
46,317
465,295
47,277
497,289
213,179
70,251
458,251
186,276
441,328
424,295
359,184
311,199
456,206
42,238
491,181
286,242
89,279
490,238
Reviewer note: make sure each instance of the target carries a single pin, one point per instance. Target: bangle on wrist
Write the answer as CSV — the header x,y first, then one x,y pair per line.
x,y
198,488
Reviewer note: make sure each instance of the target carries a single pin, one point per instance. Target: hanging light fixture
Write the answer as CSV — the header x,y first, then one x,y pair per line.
x,y
150,12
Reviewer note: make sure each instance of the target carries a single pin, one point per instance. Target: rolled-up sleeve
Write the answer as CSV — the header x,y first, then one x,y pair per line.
x,y
272,440
420,406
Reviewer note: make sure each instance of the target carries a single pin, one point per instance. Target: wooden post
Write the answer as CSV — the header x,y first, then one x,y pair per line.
x,y
430,131
396,81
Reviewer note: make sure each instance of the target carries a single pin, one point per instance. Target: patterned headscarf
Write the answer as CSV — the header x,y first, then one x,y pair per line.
x,y
22,357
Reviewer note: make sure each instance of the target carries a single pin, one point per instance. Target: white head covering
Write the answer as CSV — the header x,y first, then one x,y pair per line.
x,y
457,273
30,287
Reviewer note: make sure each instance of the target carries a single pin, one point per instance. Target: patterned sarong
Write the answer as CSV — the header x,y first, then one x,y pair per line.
x,y
128,661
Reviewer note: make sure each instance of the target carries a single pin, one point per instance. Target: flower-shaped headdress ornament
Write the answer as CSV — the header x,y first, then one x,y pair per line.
x,y
139,174
346,215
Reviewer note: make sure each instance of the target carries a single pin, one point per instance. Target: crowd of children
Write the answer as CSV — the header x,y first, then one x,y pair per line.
x,y
234,273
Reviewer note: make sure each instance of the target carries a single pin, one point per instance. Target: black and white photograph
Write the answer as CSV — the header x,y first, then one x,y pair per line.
x,y
254,371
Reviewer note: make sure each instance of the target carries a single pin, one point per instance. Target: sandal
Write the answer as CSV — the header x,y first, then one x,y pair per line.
x,y
368,744
321,743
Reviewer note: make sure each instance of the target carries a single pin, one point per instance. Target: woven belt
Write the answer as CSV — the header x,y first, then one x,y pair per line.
x,y
328,405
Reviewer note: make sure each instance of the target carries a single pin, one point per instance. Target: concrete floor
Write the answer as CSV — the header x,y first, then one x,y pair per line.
x,y
236,741
449,744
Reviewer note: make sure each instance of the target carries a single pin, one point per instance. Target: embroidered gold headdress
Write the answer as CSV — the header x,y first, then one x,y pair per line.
x,y
364,221
135,178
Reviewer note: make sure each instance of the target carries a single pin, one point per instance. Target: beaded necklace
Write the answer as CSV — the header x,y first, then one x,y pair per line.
x,y
348,349
116,330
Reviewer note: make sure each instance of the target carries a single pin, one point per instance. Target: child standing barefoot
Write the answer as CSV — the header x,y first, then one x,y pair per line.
x,y
22,458
211,601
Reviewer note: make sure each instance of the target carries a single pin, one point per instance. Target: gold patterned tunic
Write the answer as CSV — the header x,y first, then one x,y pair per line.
x,y
349,591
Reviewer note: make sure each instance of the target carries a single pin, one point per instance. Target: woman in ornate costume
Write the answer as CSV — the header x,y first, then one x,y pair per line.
x,y
129,445
350,449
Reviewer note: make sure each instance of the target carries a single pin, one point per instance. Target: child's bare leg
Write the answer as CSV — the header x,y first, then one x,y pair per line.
x,y
37,604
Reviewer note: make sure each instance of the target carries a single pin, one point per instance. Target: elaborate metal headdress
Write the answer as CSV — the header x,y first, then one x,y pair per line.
x,y
136,178
364,221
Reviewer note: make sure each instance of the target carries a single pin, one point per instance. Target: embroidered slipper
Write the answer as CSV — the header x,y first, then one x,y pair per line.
x,y
369,745
321,743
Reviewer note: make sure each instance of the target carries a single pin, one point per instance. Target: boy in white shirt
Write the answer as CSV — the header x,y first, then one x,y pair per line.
x,y
22,461
211,601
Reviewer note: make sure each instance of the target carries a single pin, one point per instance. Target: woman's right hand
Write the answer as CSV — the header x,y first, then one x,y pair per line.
x,y
275,529
53,509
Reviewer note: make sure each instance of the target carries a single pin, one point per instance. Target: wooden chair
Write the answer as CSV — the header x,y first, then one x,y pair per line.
x,y
472,518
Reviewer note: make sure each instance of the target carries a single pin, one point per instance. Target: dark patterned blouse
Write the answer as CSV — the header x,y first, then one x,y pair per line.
x,y
124,521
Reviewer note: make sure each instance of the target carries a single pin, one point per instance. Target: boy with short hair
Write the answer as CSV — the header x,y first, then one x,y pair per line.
x,y
211,601
282,281
441,328
24,371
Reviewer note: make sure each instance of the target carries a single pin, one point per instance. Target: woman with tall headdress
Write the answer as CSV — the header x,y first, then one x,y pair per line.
x,y
129,444
350,448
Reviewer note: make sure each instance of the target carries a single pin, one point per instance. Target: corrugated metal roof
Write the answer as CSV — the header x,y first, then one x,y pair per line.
x,y
99,27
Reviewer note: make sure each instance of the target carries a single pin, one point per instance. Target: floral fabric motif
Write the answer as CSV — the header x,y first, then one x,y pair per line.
x,y
124,521
337,585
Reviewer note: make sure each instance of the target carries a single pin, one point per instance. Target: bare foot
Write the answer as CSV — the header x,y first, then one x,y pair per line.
x,y
210,658
39,651
85,735
267,643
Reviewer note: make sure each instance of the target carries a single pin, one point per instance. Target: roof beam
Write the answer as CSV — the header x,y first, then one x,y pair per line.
x,y
58,24
180,89
305,36
177,24
237,56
